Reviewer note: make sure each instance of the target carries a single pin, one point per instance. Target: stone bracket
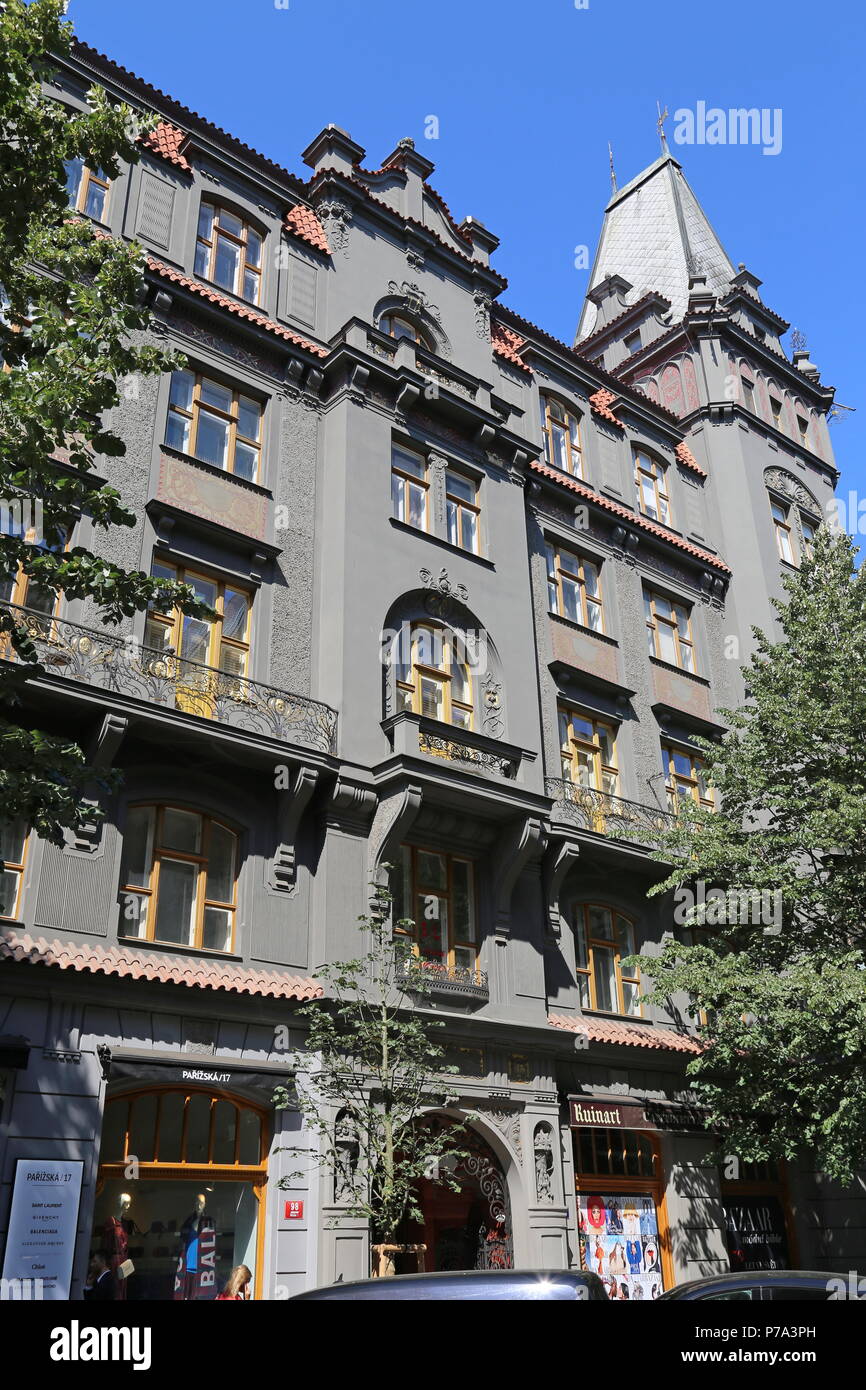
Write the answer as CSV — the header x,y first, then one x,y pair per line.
x,y
522,840
290,810
558,859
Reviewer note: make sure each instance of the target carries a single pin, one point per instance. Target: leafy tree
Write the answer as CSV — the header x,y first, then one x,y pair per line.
x,y
784,998
373,1072
73,314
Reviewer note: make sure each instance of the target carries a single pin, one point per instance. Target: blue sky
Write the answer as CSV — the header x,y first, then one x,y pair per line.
x,y
527,97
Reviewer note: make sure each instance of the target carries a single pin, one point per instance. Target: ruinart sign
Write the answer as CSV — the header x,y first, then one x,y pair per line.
x,y
590,1112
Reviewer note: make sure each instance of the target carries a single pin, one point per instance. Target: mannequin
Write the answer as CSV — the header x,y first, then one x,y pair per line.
x,y
195,1276
115,1239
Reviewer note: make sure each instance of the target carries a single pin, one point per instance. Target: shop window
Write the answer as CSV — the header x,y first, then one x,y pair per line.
x,y
215,423
178,878
758,1226
211,654
86,189
228,252
560,429
436,894
13,848
588,748
409,487
462,510
650,478
603,941
194,1211
621,1219
432,674
574,587
685,778
669,630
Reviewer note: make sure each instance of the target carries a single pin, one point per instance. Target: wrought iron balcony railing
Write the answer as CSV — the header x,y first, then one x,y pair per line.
x,y
606,814
160,677
449,980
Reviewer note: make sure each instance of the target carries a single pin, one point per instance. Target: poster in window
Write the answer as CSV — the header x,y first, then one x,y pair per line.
x,y
619,1241
755,1233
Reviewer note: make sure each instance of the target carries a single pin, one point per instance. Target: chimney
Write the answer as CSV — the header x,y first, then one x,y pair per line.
x,y
416,168
333,148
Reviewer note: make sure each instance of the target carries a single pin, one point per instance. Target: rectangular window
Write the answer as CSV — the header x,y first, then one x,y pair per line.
x,y
409,487
574,588
803,428
214,653
86,189
782,528
462,510
685,778
13,841
214,423
776,407
560,430
25,591
651,486
178,878
228,251
603,940
434,907
669,632
808,530
588,750
748,394
632,343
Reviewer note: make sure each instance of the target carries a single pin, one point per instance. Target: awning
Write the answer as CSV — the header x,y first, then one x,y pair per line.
x,y
173,1069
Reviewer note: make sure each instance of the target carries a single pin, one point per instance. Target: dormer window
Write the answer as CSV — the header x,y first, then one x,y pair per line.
x,y
397,327
776,407
228,252
561,433
632,344
86,189
803,430
652,491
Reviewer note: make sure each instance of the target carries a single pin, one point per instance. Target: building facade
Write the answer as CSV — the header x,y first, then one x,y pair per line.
x,y
477,593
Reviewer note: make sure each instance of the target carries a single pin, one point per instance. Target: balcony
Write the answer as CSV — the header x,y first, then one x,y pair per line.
x,y
605,814
441,981
125,667
414,735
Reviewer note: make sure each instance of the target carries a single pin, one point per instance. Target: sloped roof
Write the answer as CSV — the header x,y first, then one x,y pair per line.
x,y
655,233
194,971
610,1030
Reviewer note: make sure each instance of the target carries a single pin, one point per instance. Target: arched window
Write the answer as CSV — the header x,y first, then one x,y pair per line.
x,y
178,879
228,252
433,674
396,326
604,938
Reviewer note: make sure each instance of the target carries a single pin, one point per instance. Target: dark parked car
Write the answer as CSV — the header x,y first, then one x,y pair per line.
x,y
473,1284
774,1285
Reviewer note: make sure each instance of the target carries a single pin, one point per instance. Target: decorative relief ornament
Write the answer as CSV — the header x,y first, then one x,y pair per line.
x,y
414,298
482,314
335,217
441,584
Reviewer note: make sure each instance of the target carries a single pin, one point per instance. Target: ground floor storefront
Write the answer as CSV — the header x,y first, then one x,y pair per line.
x,y
138,1120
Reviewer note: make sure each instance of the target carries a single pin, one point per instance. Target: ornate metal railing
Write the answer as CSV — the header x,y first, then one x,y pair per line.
x,y
124,666
606,814
444,979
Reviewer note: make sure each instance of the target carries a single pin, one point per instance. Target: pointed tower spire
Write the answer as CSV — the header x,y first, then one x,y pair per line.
x,y
612,170
660,127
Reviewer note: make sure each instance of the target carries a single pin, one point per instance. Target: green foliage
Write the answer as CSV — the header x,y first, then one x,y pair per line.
x,y
785,1059
70,339
374,1071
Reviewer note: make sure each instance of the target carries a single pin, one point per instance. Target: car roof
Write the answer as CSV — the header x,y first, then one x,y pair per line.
x,y
753,1278
471,1282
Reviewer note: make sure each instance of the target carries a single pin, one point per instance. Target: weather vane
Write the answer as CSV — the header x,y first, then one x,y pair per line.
x,y
798,341
660,126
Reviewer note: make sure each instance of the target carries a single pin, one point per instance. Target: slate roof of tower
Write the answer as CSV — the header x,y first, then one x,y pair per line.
x,y
650,228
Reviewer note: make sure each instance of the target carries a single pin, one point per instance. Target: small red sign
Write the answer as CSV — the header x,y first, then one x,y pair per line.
x,y
294,1211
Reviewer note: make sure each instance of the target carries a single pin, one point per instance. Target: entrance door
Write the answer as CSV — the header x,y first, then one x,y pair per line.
x,y
467,1229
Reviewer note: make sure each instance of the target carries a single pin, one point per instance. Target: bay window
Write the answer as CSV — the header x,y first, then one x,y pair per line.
x,y
178,878
604,938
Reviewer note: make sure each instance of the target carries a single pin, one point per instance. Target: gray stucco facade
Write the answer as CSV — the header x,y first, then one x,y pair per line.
x,y
313,761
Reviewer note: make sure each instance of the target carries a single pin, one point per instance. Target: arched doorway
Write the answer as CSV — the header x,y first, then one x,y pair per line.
x,y
180,1192
467,1229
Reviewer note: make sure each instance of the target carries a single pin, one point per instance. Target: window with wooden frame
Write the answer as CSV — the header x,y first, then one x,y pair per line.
x,y
432,674
215,423
685,778
178,881
782,527
669,631
25,591
807,528
398,327
650,476
574,587
228,252
13,848
436,892
588,749
409,487
185,1126
604,938
220,644
462,510
560,430
86,189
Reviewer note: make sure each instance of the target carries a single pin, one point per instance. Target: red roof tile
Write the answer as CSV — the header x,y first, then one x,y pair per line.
x,y
688,460
302,222
126,962
610,1030
233,306
507,344
633,518
166,141
601,402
